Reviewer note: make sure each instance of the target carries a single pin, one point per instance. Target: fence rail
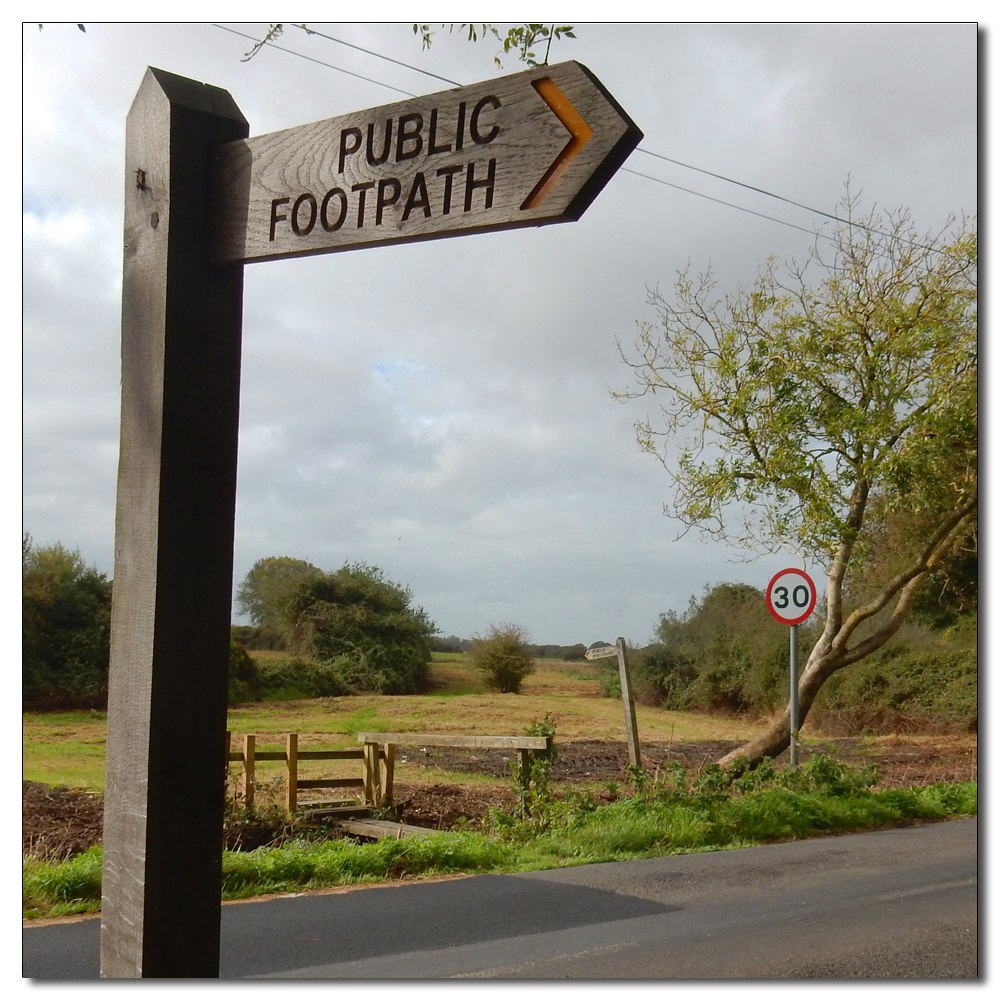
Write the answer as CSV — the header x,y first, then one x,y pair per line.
x,y
379,791
378,747
291,755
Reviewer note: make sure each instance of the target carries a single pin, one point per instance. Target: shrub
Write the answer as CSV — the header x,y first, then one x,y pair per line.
x,y
724,654
362,625
923,680
257,637
291,677
266,591
66,624
502,657
660,676
244,674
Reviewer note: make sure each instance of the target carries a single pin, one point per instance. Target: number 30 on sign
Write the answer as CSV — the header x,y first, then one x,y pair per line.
x,y
791,596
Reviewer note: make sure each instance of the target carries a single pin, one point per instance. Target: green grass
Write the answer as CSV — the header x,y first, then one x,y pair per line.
x,y
64,748
679,816
363,720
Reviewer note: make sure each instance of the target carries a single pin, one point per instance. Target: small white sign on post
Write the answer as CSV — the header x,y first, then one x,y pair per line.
x,y
791,599
598,652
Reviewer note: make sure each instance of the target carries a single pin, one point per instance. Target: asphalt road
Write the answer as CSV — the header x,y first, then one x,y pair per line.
x,y
893,904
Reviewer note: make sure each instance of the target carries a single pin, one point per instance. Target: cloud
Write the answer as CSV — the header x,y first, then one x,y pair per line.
x,y
442,409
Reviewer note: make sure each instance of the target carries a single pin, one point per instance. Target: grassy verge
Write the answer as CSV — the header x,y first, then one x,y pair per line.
x,y
709,812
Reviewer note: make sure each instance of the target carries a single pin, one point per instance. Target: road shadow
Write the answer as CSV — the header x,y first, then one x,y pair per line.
x,y
284,933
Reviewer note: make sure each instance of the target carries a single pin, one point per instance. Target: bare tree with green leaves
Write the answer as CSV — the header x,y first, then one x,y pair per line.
x,y
824,410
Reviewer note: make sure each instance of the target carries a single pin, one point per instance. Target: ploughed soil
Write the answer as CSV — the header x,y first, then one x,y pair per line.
x,y
60,822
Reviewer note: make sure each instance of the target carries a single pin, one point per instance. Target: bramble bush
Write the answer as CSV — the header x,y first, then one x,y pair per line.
x,y
363,626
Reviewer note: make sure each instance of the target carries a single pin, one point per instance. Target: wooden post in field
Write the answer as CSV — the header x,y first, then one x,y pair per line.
x,y
181,330
249,769
525,779
390,765
373,778
292,771
631,726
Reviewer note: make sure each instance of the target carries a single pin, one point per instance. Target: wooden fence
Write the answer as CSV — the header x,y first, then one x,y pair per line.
x,y
382,746
378,747
291,755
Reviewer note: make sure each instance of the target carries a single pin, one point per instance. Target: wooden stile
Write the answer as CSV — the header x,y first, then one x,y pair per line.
x,y
381,796
469,742
390,764
373,779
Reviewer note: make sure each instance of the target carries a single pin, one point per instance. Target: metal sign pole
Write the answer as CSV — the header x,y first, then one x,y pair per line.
x,y
791,599
793,699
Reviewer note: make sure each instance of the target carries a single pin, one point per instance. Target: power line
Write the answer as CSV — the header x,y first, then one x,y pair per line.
x,y
770,194
729,204
749,187
378,55
319,62
640,149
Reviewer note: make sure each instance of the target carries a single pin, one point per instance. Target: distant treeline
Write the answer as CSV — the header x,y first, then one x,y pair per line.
x,y
354,630
453,644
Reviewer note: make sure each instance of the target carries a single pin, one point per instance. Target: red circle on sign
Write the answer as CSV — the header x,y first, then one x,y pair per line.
x,y
783,599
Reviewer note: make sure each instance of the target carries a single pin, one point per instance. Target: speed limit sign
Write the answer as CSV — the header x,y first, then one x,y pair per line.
x,y
791,596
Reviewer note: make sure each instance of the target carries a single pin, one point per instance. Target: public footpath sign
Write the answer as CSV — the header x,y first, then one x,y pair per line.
x,y
202,198
620,650
791,596
599,652
523,150
791,599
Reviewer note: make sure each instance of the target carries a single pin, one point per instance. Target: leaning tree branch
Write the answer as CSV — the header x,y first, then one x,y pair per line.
x,y
927,560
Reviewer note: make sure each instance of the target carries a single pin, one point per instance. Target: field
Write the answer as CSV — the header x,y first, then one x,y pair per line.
x,y
68,748
442,788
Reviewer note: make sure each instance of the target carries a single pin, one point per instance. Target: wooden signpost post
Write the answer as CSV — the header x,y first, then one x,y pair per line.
x,y
200,200
631,726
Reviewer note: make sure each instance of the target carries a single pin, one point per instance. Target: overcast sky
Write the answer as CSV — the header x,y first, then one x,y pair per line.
x,y
442,409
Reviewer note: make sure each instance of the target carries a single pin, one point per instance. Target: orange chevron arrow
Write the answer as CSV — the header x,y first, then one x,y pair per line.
x,y
580,133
